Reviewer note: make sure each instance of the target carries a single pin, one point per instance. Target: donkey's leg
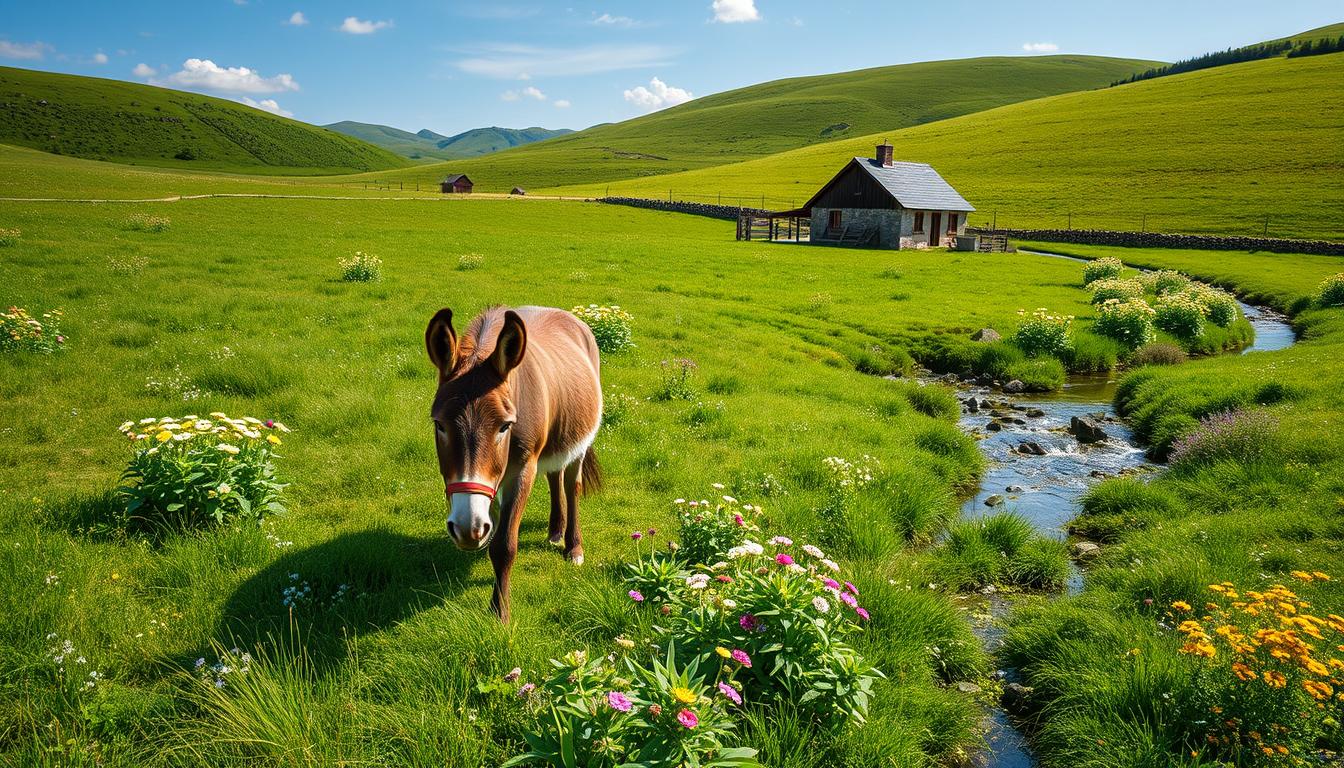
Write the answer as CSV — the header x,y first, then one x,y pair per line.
x,y
504,546
573,489
557,529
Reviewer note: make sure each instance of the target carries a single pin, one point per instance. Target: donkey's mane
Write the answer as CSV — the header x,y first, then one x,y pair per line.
x,y
478,340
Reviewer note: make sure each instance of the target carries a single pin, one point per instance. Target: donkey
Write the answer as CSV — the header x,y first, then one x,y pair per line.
x,y
519,393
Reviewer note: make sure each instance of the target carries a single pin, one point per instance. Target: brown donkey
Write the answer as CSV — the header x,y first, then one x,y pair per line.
x,y
519,393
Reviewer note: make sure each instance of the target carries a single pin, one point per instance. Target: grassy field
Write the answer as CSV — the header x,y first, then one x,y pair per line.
x,y
433,146
1171,154
773,117
206,315
124,122
1248,505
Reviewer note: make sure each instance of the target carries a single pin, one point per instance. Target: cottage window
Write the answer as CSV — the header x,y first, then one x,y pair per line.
x,y
919,221
835,220
951,223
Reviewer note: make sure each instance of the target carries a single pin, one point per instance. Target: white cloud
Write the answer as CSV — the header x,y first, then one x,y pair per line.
x,y
269,105
35,50
1040,47
657,96
206,74
561,103
518,62
531,92
607,20
144,70
297,19
356,26
100,58
734,11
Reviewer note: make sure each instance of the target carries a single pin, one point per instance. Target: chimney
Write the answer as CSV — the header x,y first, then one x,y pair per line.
x,y
884,153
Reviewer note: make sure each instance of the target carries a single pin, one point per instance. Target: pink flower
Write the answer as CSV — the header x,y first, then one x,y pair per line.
x,y
618,701
513,675
863,613
1148,601
525,690
270,424
730,693
831,584
738,519
634,595
750,623
636,535
60,339
849,600
724,578
741,657
783,559
853,590
687,718
665,609
653,531
655,710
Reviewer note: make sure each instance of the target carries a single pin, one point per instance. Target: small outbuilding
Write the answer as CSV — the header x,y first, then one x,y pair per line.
x,y
456,184
517,191
876,202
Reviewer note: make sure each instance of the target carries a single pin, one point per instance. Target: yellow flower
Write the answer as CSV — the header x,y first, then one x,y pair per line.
x,y
228,448
273,440
164,436
1321,576
683,695
723,652
1274,679
1303,575
1181,606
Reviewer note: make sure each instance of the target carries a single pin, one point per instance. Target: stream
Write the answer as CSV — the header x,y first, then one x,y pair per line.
x,y
1046,488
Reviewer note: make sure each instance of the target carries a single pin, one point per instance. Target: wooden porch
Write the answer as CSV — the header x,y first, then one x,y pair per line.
x,y
775,226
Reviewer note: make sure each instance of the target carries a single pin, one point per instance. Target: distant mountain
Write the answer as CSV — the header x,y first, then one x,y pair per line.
x,y
428,145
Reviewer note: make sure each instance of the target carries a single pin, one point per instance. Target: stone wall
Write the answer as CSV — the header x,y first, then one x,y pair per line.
x,y
729,212
887,224
1161,240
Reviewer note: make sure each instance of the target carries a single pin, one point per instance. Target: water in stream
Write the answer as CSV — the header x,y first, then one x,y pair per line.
x,y
1046,489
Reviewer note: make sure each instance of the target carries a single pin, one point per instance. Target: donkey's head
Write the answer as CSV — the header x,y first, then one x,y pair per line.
x,y
473,415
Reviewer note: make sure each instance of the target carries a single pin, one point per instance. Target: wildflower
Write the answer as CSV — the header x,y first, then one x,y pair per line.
x,y
636,596
849,600
664,609
224,489
1274,679
200,663
273,440
831,564
1181,606
738,519
655,710
697,580
270,424
618,701
636,535
687,718
813,551
526,689
625,643
513,675
750,623
853,590
228,448
723,652
831,584
782,541
724,578
164,436
730,693
653,531
684,695
820,604
783,559
741,657
863,613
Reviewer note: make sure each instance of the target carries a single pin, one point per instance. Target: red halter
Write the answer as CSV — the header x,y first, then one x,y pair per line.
x,y
481,488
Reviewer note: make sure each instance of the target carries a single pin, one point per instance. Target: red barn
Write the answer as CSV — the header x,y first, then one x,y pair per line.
x,y
458,183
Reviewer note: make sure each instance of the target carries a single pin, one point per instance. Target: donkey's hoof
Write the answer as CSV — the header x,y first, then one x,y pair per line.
x,y
575,559
557,541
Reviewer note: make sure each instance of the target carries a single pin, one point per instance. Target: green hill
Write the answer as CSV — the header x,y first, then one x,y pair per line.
x,y
1216,150
785,114
428,145
124,122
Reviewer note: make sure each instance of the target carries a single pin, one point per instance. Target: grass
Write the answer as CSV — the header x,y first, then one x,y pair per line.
x,y
124,122
255,321
1109,677
1077,159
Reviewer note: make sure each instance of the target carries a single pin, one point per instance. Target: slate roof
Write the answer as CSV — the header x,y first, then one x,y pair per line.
x,y
915,186
454,177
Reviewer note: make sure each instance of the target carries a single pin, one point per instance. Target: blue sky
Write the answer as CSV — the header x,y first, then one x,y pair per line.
x,y
451,66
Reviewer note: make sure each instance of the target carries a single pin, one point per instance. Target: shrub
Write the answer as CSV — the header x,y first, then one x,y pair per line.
x,y
709,530
1116,288
1179,315
469,261
1128,322
1101,269
9,237
192,470
1043,333
1164,281
143,222
1158,353
1091,352
1002,549
1216,304
1331,291
361,268
675,380
997,357
1045,374
21,332
617,408
934,401
610,326
1233,435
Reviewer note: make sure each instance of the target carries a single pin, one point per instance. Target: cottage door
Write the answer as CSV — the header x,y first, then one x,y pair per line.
x,y
935,231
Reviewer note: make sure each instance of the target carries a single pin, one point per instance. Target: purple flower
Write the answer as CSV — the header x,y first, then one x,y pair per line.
x,y
687,718
853,590
831,584
200,663
219,683
634,595
636,535
783,559
513,675
741,657
525,690
738,519
863,613
730,693
653,531
618,701
749,623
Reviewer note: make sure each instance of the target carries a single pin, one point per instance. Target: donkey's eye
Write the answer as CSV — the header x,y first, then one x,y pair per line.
x,y
505,427
438,427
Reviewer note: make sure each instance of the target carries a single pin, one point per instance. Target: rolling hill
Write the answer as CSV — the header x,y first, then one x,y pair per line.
x,y
428,145
124,122
1217,150
785,114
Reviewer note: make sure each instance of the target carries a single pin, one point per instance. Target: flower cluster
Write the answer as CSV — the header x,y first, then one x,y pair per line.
x,y
1269,671
1331,291
469,261
143,222
1238,435
844,476
1180,315
231,662
1116,288
9,237
1129,322
192,469
1164,281
72,667
675,380
610,326
1042,333
361,268
21,332
1216,304
709,530
1102,269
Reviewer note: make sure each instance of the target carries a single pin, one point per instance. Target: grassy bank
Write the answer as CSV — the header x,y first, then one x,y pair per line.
x,y
378,654
1251,500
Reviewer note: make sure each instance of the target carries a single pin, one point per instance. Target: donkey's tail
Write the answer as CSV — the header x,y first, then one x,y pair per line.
x,y
590,472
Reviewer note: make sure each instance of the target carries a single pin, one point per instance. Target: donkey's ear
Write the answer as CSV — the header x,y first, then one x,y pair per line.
x,y
441,342
510,345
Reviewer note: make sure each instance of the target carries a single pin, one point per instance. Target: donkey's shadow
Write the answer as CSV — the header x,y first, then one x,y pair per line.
x,y
353,584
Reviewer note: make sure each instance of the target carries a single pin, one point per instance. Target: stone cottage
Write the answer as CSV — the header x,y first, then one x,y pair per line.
x,y
882,203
